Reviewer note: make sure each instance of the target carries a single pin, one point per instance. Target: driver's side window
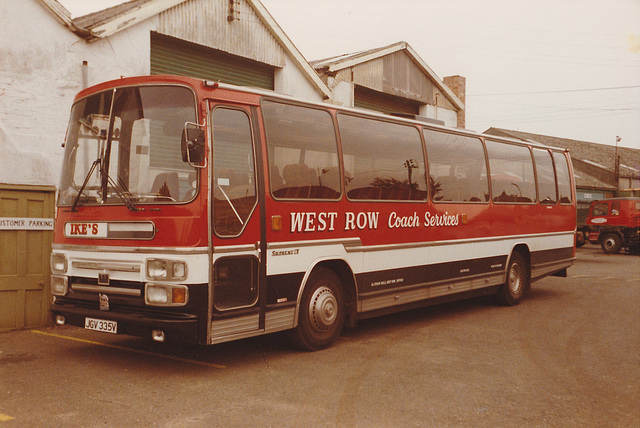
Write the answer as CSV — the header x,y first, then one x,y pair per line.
x,y
234,183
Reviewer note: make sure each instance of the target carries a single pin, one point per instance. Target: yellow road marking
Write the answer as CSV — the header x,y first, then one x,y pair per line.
x,y
122,348
5,418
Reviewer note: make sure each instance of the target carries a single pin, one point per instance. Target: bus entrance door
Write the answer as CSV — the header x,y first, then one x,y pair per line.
x,y
236,310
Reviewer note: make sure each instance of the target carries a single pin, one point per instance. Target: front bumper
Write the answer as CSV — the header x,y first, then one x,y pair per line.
x,y
177,327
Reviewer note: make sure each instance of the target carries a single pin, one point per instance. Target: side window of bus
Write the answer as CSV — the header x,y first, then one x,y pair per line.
x,y
546,177
512,177
234,184
564,181
457,168
382,160
303,152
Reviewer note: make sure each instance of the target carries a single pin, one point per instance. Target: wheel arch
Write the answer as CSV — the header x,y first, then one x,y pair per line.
x,y
517,278
610,231
347,281
525,252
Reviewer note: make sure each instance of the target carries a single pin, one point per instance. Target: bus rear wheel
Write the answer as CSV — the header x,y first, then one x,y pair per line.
x,y
322,312
517,282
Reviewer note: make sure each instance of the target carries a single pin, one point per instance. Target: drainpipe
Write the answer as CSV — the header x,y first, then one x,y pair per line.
x,y
85,74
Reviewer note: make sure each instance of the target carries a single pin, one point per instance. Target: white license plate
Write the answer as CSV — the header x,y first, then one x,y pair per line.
x,y
101,325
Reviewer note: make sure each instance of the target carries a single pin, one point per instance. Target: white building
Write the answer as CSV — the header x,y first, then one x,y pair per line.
x,y
41,71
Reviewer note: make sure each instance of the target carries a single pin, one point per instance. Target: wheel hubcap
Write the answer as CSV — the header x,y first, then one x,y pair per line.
x,y
515,278
323,309
609,243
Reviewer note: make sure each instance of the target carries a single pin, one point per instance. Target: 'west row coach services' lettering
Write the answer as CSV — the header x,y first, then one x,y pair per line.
x,y
326,221
313,222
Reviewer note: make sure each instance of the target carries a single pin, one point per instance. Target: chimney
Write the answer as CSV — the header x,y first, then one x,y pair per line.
x,y
458,84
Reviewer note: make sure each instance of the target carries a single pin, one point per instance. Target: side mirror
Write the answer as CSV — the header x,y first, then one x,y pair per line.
x,y
192,144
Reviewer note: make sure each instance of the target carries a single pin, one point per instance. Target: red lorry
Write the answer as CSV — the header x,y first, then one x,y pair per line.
x,y
615,224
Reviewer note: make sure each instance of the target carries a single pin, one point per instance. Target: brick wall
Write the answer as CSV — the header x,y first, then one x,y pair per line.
x,y
458,84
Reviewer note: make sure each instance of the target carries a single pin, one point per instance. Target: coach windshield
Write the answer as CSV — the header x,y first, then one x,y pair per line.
x,y
123,148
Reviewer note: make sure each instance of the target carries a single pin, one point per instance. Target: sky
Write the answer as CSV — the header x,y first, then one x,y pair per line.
x,y
564,68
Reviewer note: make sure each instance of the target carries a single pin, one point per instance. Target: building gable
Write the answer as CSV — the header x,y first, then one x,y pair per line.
x,y
395,69
211,23
393,79
245,29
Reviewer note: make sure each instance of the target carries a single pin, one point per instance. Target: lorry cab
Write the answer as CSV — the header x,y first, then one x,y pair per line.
x,y
615,224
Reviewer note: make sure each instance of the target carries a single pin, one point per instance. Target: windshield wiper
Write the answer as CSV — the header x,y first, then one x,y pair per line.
x,y
95,165
119,188
122,192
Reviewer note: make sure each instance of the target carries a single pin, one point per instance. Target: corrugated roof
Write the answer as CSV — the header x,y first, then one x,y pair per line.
x,y
95,18
338,61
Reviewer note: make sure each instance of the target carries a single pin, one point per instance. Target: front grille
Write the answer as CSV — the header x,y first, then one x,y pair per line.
x,y
121,288
114,266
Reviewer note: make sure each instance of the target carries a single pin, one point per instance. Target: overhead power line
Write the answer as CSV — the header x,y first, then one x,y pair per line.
x,y
554,92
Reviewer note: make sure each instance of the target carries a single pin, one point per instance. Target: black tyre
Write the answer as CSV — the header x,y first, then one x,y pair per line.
x,y
322,312
611,243
512,291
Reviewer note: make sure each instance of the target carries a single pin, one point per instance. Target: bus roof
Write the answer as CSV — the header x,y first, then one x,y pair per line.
x,y
212,85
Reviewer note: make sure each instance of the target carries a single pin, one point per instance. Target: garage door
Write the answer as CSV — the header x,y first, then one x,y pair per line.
x,y
26,234
385,103
174,56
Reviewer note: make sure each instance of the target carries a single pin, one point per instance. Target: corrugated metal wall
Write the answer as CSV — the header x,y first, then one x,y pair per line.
x,y
369,74
206,23
397,75
402,77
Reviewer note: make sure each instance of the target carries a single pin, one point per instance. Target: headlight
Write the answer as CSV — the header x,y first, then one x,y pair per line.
x,y
59,285
171,270
166,295
58,263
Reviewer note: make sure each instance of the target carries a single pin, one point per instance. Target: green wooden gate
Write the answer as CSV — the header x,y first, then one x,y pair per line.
x,y
26,234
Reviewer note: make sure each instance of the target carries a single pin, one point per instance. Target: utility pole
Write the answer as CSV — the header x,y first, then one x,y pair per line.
x,y
617,164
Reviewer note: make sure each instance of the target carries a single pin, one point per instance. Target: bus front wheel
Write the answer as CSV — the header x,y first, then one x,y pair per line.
x,y
322,312
512,291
